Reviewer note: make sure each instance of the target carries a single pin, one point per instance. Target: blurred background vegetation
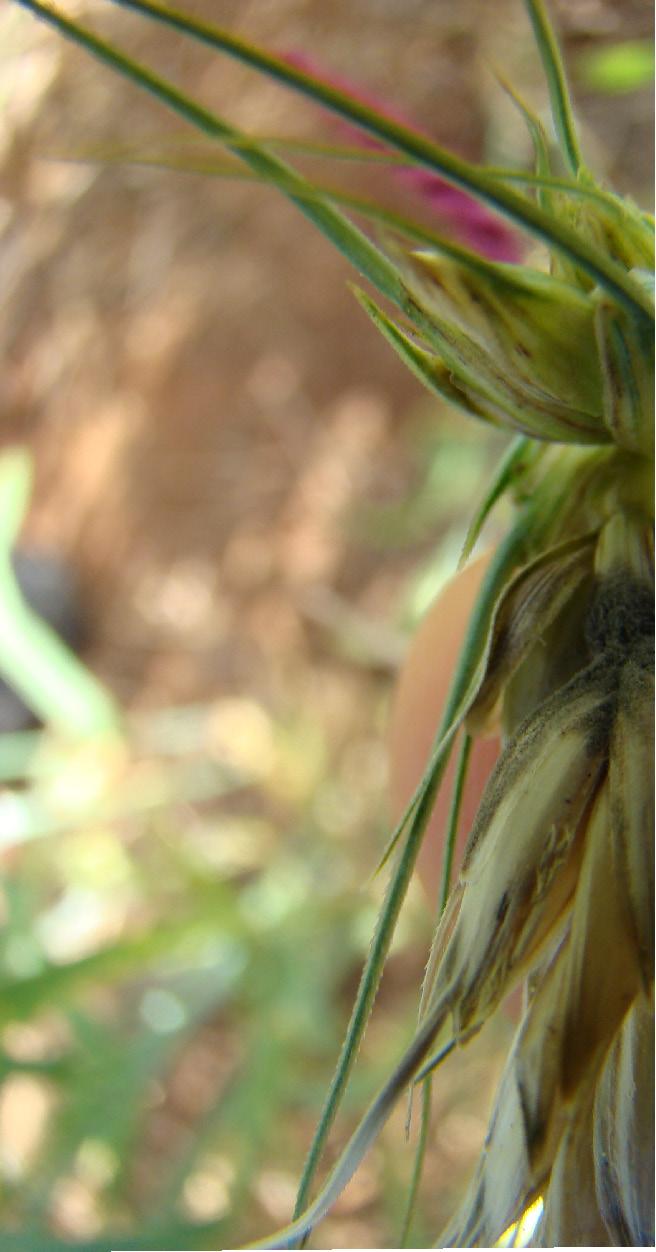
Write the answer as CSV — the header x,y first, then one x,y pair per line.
x,y
221,488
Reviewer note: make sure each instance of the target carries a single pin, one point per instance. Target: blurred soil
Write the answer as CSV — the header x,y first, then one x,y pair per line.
x,y
205,401
207,406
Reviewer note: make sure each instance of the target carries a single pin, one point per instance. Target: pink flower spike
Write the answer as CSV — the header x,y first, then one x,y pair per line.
x,y
466,218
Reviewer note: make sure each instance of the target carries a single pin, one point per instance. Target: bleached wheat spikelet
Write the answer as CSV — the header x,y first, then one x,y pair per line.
x,y
576,870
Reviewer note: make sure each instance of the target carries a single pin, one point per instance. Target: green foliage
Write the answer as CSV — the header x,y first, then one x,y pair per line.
x,y
619,67
120,962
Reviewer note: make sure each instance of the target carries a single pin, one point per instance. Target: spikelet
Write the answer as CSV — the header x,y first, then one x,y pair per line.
x,y
572,1121
624,1130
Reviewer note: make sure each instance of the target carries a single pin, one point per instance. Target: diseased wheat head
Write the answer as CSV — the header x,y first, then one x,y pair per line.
x,y
556,887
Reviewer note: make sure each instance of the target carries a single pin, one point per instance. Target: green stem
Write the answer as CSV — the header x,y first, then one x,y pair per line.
x,y
559,94
420,1157
454,818
447,867
463,685
372,972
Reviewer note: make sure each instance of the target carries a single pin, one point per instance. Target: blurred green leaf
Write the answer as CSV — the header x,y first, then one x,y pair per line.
x,y
58,984
155,1234
115,1067
618,67
15,486
33,659
45,673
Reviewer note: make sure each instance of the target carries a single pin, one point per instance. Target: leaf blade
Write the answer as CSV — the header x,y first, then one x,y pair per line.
x,y
522,211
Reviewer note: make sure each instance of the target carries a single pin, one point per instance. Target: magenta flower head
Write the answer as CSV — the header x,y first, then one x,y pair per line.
x,y
465,218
